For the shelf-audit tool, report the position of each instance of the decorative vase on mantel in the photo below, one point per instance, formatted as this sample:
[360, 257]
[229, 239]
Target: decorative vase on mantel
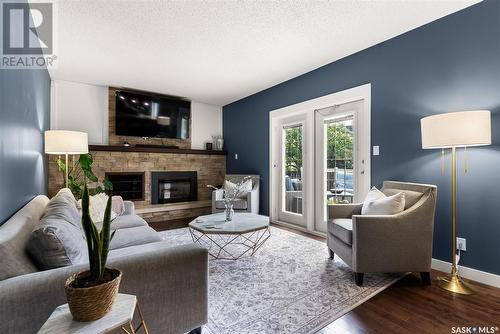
[229, 211]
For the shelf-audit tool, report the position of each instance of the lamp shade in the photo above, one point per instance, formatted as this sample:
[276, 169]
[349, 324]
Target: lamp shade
[456, 129]
[66, 142]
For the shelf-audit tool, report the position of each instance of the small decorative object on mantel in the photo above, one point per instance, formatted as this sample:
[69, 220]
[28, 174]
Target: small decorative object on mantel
[218, 143]
[208, 146]
[232, 191]
[91, 293]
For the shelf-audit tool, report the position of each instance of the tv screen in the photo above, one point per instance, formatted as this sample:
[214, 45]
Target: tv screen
[144, 115]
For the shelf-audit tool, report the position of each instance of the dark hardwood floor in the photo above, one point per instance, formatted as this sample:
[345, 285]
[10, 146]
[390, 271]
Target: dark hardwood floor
[409, 307]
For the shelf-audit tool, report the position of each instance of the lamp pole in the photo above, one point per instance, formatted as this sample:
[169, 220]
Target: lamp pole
[67, 170]
[453, 282]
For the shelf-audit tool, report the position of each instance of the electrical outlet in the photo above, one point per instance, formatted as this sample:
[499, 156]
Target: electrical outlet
[462, 244]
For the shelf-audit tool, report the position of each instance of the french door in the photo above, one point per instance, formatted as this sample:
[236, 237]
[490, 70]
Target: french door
[293, 193]
[319, 154]
[340, 168]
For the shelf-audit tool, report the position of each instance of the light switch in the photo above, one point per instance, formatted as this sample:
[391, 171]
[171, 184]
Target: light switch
[376, 150]
[236, 156]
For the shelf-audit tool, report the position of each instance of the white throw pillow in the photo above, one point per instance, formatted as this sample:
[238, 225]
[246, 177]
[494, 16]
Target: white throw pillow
[230, 188]
[377, 203]
[97, 206]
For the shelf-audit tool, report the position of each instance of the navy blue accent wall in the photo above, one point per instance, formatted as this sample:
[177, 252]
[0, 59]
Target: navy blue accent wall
[451, 64]
[24, 116]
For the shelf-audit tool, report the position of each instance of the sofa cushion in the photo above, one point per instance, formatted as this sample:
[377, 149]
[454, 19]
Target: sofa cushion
[14, 235]
[125, 221]
[342, 229]
[97, 207]
[118, 205]
[411, 197]
[58, 241]
[238, 204]
[63, 206]
[134, 236]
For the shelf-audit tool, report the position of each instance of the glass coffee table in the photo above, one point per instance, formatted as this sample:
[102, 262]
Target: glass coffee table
[244, 235]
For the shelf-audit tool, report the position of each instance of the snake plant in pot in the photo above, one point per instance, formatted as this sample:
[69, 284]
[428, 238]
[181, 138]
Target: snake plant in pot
[91, 293]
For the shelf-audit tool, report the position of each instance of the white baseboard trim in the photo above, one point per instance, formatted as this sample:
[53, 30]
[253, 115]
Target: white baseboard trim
[469, 273]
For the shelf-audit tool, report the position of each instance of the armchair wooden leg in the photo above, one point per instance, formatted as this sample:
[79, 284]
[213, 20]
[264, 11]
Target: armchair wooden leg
[332, 254]
[426, 278]
[358, 278]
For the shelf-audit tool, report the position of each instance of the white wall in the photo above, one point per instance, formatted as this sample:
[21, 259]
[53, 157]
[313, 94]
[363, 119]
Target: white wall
[80, 107]
[83, 107]
[206, 121]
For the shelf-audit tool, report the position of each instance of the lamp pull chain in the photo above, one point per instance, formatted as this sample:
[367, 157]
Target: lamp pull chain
[465, 160]
[442, 161]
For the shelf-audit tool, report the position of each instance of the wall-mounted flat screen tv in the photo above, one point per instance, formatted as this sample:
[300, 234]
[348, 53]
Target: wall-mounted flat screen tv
[147, 115]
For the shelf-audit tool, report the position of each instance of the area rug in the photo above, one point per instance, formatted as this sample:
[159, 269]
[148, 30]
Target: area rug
[288, 286]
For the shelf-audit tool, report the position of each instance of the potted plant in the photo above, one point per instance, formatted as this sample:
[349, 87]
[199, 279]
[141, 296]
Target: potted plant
[80, 172]
[91, 293]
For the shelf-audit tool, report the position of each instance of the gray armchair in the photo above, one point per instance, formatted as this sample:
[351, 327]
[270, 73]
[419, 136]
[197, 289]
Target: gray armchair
[248, 204]
[386, 243]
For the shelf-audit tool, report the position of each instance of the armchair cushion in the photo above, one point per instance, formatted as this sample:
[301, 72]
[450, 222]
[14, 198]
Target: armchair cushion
[231, 188]
[377, 203]
[411, 197]
[342, 229]
[238, 204]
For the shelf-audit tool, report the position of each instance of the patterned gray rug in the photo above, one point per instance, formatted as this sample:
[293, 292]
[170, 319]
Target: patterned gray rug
[288, 286]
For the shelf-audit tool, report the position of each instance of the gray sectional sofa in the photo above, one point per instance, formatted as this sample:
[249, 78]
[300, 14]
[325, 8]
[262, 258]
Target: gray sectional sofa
[171, 282]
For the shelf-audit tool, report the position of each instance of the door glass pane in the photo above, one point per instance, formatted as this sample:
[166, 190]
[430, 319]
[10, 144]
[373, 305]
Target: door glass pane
[292, 160]
[339, 160]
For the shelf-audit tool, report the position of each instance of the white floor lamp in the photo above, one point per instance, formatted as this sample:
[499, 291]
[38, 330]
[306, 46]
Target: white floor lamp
[66, 142]
[452, 130]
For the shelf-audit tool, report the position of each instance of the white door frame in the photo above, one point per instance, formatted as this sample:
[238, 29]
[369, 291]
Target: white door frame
[307, 121]
[361, 182]
[308, 108]
[295, 218]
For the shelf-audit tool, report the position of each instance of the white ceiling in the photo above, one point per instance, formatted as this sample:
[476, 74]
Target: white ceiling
[217, 52]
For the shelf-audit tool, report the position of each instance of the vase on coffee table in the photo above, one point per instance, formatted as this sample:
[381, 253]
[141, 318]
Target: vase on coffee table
[229, 211]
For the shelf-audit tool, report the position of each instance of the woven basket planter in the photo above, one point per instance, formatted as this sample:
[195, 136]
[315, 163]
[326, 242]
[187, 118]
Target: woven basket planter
[92, 303]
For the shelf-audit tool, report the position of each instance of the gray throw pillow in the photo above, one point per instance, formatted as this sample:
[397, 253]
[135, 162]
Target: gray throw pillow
[57, 243]
[58, 240]
[63, 206]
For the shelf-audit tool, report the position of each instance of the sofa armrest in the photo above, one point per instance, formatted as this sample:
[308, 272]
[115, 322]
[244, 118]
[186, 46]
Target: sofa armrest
[129, 208]
[344, 210]
[253, 201]
[390, 243]
[216, 196]
[171, 284]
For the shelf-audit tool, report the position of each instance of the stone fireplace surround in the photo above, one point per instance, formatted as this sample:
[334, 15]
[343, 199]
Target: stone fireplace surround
[210, 167]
